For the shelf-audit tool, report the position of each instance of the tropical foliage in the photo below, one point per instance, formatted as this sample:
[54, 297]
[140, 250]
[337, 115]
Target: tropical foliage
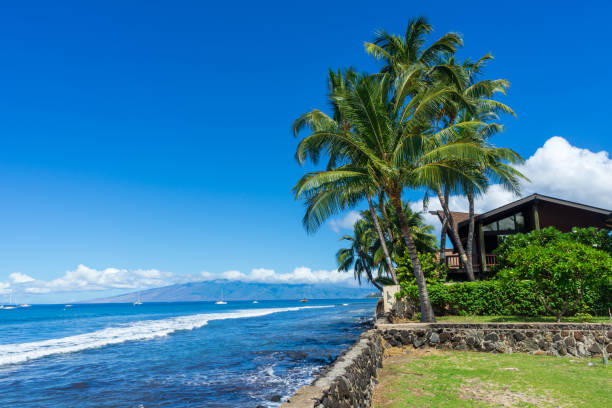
[564, 272]
[422, 123]
[365, 255]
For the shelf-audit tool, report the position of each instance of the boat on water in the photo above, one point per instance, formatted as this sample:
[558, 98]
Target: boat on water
[25, 305]
[138, 301]
[67, 305]
[303, 300]
[10, 304]
[221, 301]
[255, 301]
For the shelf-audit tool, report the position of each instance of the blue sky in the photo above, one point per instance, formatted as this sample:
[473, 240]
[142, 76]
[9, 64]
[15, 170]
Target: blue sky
[155, 136]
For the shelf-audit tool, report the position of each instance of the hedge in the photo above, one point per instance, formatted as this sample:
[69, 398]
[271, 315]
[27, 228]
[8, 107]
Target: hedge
[495, 297]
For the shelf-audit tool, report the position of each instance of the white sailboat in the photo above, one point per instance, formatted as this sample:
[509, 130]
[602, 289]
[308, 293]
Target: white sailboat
[221, 301]
[10, 303]
[138, 302]
[255, 301]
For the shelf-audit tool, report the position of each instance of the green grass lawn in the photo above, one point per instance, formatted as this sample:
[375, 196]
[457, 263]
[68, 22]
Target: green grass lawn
[433, 378]
[519, 319]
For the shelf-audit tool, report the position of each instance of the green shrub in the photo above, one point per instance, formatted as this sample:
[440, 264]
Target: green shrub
[497, 297]
[564, 272]
[598, 239]
[480, 298]
[432, 269]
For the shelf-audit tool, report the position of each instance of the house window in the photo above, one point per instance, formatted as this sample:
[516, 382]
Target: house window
[513, 223]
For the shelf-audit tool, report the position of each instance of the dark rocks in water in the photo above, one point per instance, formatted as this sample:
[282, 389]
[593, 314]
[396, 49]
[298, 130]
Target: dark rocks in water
[276, 398]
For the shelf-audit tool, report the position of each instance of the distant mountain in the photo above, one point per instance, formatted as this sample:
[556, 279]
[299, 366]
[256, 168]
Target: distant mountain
[236, 290]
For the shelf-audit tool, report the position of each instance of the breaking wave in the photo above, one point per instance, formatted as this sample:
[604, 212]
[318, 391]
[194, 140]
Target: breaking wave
[141, 330]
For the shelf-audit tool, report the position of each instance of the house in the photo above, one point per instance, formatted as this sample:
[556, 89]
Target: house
[527, 214]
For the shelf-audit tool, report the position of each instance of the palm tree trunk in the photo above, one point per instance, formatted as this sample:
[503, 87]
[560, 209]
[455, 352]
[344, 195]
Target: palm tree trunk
[371, 278]
[427, 314]
[383, 243]
[470, 242]
[386, 220]
[454, 232]
[444, 231]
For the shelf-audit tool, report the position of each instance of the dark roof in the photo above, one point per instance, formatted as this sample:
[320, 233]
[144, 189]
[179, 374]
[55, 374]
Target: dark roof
[458, 217]
[540, 197]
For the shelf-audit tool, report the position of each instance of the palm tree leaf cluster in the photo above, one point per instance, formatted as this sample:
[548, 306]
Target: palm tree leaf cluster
[423, 122]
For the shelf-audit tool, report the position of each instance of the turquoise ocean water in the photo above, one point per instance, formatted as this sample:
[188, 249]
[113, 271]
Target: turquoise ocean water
[172, 354]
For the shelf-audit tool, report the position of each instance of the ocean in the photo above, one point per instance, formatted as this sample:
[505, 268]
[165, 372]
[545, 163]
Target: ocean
[196, 354]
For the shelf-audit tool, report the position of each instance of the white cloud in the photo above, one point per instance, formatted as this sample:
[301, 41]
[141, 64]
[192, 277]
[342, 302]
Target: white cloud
[84, 278]
[18, 277]
[5, 288]
[345, 222]
[556, 169]
[298, 275]
[571, 173]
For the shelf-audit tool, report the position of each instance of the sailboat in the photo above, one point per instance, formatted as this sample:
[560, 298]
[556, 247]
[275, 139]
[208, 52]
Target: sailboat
[255, 301]
[10, 304]
[221, 301]
[138, 302]
[303, 300]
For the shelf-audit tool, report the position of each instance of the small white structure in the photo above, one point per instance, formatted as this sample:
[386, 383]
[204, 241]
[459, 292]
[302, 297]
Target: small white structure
[388, 294]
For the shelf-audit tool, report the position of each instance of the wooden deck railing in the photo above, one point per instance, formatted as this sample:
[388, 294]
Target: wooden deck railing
[454, 261]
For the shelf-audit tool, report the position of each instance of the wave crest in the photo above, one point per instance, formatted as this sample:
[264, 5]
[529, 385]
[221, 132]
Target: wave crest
[141, 330]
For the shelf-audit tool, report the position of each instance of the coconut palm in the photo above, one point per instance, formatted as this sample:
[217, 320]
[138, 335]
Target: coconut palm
[320, 206]
[359, 256]
[495, 164]
[389, 147]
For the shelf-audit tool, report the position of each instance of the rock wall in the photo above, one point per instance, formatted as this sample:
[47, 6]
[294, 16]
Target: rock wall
[556, 339]
[348, 382]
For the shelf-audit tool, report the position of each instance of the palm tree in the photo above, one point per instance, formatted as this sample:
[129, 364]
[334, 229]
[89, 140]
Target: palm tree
[360, 255]
[495, 163]
[388, 147]
[408, 53]
[328, 202]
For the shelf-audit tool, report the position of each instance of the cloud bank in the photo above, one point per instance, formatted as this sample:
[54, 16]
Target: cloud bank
[557, 169]
[86, 279]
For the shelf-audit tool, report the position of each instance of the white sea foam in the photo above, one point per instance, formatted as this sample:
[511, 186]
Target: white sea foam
[141, 330]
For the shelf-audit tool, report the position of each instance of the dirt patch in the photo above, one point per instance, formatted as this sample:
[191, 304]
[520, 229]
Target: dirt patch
[394, 355]
[493, 394]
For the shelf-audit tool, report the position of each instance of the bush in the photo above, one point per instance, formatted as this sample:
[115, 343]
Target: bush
[432, 269]
[497, 297]
[598, 239]
[564, 272]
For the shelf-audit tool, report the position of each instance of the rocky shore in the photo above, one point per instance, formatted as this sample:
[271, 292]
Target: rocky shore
[349, 381]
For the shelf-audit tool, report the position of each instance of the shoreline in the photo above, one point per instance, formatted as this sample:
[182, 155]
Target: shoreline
[349, 381]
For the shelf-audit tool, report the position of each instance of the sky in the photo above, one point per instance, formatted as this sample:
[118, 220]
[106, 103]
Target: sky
[148, 143]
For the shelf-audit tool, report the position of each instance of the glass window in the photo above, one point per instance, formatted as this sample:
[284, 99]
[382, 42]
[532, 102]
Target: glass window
[520, 222]
[507, 224]
[490, 227]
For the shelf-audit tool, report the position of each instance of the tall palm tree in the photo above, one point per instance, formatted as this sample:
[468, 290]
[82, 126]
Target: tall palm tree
[328, 202]
[495, 163]
[390, 147]
[409, 53]
[360, 254]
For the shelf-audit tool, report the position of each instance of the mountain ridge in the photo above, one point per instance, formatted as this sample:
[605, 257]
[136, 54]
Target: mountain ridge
[238, 290]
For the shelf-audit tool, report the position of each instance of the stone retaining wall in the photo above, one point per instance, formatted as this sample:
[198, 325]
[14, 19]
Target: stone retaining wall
[557, 339]
[348, 382]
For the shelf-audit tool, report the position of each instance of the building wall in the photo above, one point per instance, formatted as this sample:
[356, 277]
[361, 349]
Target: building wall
[565, 218]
